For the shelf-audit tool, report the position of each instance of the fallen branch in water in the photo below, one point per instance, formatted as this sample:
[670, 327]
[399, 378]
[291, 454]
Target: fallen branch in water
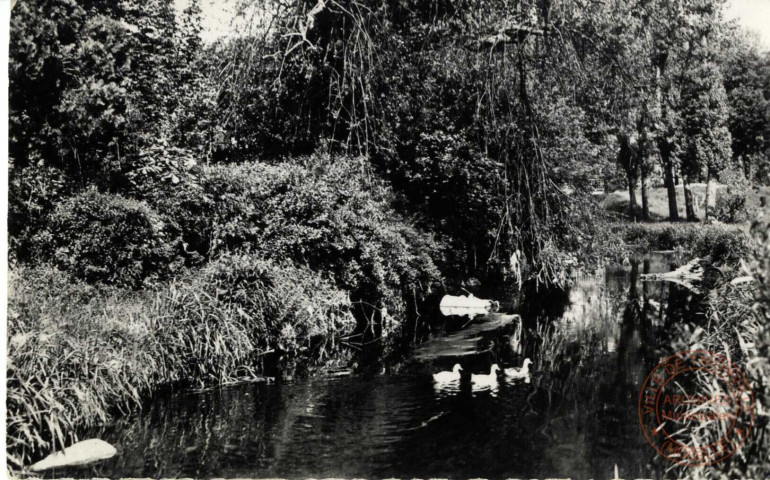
[694, 271]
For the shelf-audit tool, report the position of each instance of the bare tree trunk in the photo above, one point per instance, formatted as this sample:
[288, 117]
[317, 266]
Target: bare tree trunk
[707, 203]
[688, 199]
[668, 169]
[627, 159]
[663, 145]
[645, 202]
[632, 204]
[711, 195]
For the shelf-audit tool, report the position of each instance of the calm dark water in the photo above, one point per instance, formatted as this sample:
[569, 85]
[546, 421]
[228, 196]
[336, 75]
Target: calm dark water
[577, 416]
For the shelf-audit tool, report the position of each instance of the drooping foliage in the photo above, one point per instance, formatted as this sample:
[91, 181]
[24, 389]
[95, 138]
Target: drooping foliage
[206, 205]
[464, 107]
[491, 121]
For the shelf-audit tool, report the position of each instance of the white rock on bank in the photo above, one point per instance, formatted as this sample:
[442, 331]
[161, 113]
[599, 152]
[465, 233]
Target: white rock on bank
[81, 453]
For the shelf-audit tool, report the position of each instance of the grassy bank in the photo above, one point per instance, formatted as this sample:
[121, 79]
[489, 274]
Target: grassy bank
[201, 282]
[79, 353]
[657, 198]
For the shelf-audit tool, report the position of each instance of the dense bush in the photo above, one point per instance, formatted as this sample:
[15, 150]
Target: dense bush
[326, 213]
[106, 238]
[78, 353]
[730, 205]
[32, 194]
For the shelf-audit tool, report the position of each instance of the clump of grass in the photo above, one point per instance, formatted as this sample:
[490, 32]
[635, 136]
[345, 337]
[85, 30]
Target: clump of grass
[79, 353]
[69, 360]
[552, 343]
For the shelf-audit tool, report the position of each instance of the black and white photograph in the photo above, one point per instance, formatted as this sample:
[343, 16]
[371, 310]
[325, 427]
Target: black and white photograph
[386, 239]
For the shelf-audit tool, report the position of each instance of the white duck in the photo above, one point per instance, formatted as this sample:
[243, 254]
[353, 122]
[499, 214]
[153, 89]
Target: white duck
[485, 380]
[448, 377]
[515, 373]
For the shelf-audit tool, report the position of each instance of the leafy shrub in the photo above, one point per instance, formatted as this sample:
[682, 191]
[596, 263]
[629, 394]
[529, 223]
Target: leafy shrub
[158, 167]
[317, 211]
[33, 191]
[730, 205]
[77, 352]
[106, 238]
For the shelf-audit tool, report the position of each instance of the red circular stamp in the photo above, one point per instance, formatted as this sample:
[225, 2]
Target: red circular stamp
[696, 408]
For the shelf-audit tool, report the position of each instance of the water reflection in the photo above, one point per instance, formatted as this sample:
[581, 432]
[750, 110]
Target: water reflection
[576, 417]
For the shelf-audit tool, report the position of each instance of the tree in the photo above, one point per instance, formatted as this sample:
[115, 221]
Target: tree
[453, 102]
[705, 121]
[628, 158]
[746, 73]
[703, 102]
[93, 84]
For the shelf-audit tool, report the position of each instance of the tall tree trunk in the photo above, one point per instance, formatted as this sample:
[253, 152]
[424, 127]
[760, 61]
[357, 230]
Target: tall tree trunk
[664, 146]
[668, 170]
[711, 195]
[645, 202]
[708, 195]
[688, 199]
[627, 159]
[632, 204]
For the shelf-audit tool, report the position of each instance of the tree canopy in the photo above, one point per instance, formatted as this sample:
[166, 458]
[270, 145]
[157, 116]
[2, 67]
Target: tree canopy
[493, 121]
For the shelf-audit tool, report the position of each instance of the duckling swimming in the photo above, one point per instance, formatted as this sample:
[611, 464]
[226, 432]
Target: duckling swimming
[483, 381]
[516, 373]
[447, 377]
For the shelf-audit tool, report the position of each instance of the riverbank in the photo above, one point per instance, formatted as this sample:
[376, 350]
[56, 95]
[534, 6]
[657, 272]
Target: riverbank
[277, 264]
[385, 425]
[739, 328]
[721, 243]
[220, 277]
[737, 317]
[79, 354]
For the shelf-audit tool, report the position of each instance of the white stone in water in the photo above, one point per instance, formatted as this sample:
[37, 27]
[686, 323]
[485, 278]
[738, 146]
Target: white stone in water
[81, 453]
[469, 305]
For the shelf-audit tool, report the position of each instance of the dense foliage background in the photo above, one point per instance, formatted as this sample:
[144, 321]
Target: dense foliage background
[369, 151]
[491, 123]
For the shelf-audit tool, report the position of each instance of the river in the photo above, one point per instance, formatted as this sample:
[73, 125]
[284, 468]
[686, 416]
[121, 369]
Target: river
[576, 417]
